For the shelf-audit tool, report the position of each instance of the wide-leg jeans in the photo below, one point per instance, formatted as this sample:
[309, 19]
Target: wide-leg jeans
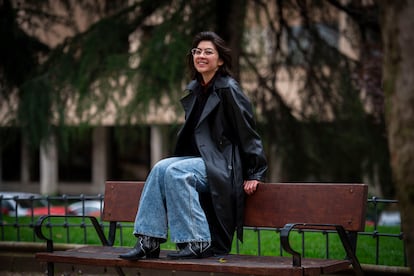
[170, 199]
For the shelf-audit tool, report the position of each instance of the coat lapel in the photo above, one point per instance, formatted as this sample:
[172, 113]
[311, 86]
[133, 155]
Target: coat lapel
[188, 103]
[212, 101]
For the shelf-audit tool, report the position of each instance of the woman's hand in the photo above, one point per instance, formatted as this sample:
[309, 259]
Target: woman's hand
[250, 186]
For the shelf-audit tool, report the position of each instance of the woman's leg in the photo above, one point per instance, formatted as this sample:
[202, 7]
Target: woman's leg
[170, 197]
[184, 179]
[151, 219]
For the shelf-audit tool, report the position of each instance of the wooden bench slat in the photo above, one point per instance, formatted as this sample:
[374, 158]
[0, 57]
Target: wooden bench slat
[274, 205]
[240, 264]
[121, 200]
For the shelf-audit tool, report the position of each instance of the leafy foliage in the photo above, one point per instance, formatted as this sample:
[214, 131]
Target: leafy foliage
[334, 131]
[130, 56]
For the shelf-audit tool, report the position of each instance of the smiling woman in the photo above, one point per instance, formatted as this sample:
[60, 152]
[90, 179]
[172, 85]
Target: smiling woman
[206, 60]
[198, 193]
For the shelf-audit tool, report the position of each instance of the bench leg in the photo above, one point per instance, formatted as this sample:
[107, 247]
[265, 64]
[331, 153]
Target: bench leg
[119, 271]
[349, 246]
[352, 237]
[50, 269]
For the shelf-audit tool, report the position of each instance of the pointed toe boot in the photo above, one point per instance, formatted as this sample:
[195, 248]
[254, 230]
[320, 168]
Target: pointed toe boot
[147, 247]
[193, 250]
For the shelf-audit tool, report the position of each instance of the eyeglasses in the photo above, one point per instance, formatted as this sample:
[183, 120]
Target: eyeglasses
[198, 51]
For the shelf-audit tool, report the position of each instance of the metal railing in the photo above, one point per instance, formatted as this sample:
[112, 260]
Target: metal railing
[377, 204]
[15, 226]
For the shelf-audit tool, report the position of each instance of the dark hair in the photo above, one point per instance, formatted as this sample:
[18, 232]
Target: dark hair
[223, 51]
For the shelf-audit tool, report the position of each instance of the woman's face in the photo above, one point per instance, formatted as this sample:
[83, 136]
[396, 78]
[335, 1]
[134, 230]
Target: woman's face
[206, 60]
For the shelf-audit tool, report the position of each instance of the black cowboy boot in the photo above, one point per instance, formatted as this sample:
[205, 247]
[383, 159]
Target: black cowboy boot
[145, 246]
[193, 250]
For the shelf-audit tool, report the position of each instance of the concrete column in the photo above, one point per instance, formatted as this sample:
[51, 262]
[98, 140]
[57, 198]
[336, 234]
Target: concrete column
[156, 143]
[99, 158]
[275, 165]
[49, 166]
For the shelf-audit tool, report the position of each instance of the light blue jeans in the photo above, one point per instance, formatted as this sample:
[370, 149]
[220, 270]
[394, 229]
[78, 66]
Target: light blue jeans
[170, 199]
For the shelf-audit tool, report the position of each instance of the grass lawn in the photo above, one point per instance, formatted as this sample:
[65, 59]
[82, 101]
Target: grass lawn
[316, 244]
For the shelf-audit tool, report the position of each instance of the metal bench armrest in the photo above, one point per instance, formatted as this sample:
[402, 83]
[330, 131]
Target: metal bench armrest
[296, 257]
[46, 218]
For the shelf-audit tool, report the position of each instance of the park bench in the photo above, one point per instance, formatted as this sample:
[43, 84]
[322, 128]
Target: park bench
[284, 206]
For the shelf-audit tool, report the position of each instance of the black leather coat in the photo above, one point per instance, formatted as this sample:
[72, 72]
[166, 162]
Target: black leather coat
[232, 151]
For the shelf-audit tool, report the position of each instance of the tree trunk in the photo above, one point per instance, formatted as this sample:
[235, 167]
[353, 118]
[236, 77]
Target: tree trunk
[230, 26]
[398, 40]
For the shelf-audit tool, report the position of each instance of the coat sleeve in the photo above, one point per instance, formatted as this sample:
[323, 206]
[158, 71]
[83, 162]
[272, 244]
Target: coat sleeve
[239, 113]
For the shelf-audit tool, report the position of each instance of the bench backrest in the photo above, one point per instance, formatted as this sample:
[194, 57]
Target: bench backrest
[273, 205]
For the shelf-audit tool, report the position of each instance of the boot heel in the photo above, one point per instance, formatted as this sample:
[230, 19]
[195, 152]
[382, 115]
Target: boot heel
[153, 254]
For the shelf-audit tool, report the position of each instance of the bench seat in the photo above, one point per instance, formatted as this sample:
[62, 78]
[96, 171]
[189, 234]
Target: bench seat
[232, 263]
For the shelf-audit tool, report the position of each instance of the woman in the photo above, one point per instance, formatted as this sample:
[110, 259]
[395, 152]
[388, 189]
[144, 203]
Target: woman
[199, 193]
